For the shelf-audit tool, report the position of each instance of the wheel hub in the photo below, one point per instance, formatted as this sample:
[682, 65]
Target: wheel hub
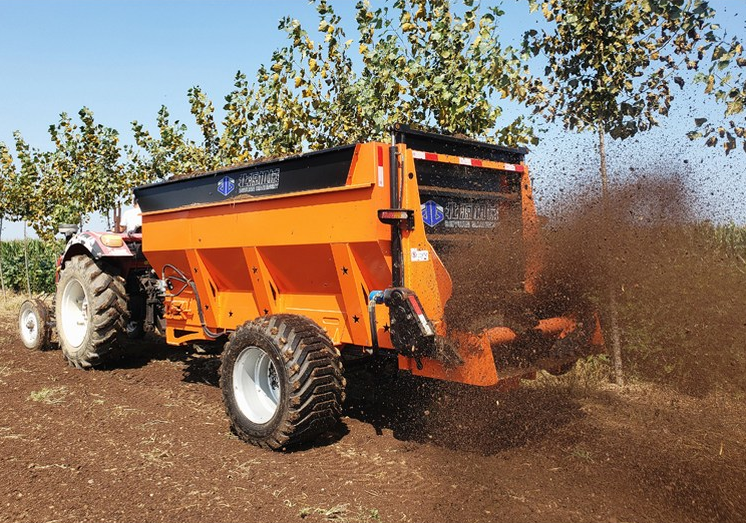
[74, 305]
[256, 385]
[29, 327]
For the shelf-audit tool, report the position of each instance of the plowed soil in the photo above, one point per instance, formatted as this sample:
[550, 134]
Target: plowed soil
[149, 441]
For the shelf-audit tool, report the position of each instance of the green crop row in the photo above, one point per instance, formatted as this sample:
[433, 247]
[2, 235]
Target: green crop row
[41, 265]
[730, 237]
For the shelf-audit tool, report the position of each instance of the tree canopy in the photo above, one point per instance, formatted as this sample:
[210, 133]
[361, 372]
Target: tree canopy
[437, 63]
[611, 65]
[727, 84]
[83, 173]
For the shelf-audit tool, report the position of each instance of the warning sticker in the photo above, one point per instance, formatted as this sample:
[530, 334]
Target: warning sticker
[419, 255]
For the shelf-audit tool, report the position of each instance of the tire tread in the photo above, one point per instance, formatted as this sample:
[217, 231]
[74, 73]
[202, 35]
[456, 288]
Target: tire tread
[314, 373]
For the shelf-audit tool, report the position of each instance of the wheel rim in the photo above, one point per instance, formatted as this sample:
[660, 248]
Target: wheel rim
[74, 313]
[29, 326]
[256, 385]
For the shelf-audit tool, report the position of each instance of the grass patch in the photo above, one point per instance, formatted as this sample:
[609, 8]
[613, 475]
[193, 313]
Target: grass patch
[50, 396]
[158, 457]
[10, 304]
[589, 373]
[583, 454]
[342, 513]
[4, 373]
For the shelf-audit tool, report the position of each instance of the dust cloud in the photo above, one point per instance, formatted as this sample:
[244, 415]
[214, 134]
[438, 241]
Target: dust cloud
[679, 280]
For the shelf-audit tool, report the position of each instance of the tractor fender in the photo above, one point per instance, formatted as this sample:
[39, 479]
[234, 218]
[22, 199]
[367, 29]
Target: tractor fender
[90, 243]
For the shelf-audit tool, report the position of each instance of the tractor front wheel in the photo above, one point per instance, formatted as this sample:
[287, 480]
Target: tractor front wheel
[91, 312]
[281, 379]
[33, 324]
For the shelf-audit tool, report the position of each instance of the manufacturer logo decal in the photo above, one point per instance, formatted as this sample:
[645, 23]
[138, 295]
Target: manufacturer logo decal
[471, 215]
[432, 213]
[259, 181]
[226, 186]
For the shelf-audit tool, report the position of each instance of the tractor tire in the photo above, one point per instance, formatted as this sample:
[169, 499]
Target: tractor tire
[91, 312]
[282, 382]
[33, 325]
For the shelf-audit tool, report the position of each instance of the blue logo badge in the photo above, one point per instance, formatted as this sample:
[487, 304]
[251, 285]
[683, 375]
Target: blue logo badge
[432, 213]
[226, 186]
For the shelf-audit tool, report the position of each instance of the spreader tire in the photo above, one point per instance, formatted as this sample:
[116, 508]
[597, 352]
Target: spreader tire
[282, 382]
[91, 312]
[33, 324]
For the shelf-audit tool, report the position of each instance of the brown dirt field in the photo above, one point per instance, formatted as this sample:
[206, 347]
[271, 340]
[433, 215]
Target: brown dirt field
[149, 441]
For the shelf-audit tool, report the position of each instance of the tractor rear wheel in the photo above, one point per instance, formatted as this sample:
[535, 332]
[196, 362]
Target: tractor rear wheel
[33, 324]
[282, 382]
[91, 312]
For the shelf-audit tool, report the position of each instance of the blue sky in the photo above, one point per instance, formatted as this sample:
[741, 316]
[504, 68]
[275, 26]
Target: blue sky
[124, 59]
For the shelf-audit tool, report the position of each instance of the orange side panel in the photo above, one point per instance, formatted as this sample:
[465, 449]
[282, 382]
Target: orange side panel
[281, 253]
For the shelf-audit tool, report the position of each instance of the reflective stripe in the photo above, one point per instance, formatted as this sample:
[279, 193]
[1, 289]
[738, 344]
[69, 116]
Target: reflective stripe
[461, 160]
[380, 173]
[420, 315]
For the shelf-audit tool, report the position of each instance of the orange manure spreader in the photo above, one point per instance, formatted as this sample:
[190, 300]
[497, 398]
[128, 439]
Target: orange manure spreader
[425, 250]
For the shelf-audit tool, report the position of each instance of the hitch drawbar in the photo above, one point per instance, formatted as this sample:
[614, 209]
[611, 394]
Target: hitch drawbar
[412, 333]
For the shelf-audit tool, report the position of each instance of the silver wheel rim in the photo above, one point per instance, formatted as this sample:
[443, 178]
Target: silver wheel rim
[256, 385]
[29, 326]
[74, 308]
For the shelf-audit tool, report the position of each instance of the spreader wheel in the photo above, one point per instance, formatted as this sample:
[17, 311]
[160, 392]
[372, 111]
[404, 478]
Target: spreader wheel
[282, 382]
[33, 324]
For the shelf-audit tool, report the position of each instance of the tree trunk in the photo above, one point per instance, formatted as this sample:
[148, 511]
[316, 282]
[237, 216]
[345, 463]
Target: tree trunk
[616, 344]
[25, 259]
[117, 211]
[2, 278]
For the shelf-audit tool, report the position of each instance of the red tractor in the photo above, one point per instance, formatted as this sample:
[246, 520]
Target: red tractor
[105, 291]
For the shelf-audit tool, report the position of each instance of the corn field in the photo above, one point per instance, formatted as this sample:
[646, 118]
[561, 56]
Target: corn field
[41, 259]
[730, 238]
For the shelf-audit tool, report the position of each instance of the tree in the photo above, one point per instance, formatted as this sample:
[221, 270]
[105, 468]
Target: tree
[6, 165]
[423, 61]
[83, 173]
[609, 69]
[22, 197]
[172, 153]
